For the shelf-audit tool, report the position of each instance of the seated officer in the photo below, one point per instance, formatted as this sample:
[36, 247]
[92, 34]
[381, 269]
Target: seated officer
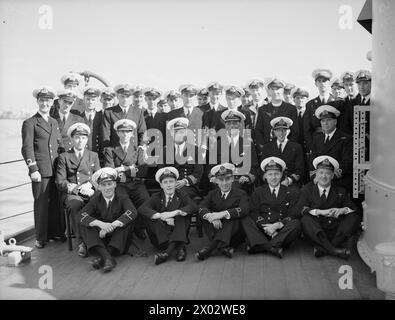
[167, 214]
[329, 218]
[288, 151]
[184, 156]
[220, 212]
[128, 160]
[335, 143]
[236, 148]
[73, 174]
[270, 226]
[106, 221]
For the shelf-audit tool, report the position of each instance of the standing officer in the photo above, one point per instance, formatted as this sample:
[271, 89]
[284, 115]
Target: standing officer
[246, 100]
[335, 143]
[163, 106]
[271, 225]
[183, 156]
[41, 140]
[363, 78]
[123, 110]
[288, 151]
[73, 174]
[94, 120]
[107, 98]
[288, 98]
[138, 97]
[238, 149]
[276, 108]
[312, 125]
[300, 97]
[70, 81]
[220, 212]
[107, 221]
[129, 161]
[156, 137]
[65, 116]
[167, 214]
[258, 94]
[173, 98]
[215, 91]
[337, 89]
[351, 89]
[233, 95]
[202, 97]
[189, 111]
[329, 217]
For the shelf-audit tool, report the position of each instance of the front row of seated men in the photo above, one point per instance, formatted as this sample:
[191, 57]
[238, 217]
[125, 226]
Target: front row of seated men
[269, 221]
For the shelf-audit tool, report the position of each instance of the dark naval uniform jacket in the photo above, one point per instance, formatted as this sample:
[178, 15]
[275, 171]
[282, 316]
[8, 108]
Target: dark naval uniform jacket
[95, 139]
[190, 168]
[157, 123]
[70, 169]
[292, 154]
[340, 148]
[115, 113]
[115, 157]
[41, 141]
[157, 203]
[311, 124]
[121, 209]
[245, 148]
[195, 121]
[267, 209]
[72, 118]
[236, 203]
[268, 112]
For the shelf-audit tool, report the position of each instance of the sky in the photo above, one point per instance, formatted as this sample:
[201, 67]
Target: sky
[168, 43]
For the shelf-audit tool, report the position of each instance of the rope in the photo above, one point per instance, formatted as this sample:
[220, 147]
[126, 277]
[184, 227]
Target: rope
[19, 185]
[15, 215]
[7, 162]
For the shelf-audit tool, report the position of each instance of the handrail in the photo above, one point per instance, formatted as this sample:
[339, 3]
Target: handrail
[12, 161]
[13, 187]
[15, 215]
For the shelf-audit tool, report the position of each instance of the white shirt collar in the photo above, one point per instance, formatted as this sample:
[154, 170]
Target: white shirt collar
[167, 196]
[283, 144]
[367, 98]
[180, 146]
[152, 112]
[45, 116]
[108, 200]
[91, 113]
[303, 109]
[214, 106]
[331, 134]
[277, 189]
[325, 97]
[234, 139]
[226, 193]
[189, 110]
[125, 109]
[321, 190]
[78, 152]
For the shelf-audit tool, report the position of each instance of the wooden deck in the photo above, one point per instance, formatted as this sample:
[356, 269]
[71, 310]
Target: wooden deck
[297, 276]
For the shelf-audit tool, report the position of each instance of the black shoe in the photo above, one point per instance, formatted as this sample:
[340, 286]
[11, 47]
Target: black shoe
[181, 254]
[227, 252]
[277, 252]
[97, 262]
[160, 258]
[39, 244]
[140, 233]
[203, 254]
[342, 253]
[59, 238]
[109, 264]
[319, 252]
[82, 250]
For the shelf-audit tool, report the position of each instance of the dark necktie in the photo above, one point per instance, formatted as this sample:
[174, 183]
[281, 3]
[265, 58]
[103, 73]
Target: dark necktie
[323, 196]
[64, 120]
[90, 120]
[274, 193]
[109, 206]
[168, 201]
[223, 197]
[326, 139]
[280, 148]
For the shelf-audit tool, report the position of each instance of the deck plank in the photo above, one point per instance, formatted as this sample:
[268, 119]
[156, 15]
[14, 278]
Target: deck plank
[297, 276]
